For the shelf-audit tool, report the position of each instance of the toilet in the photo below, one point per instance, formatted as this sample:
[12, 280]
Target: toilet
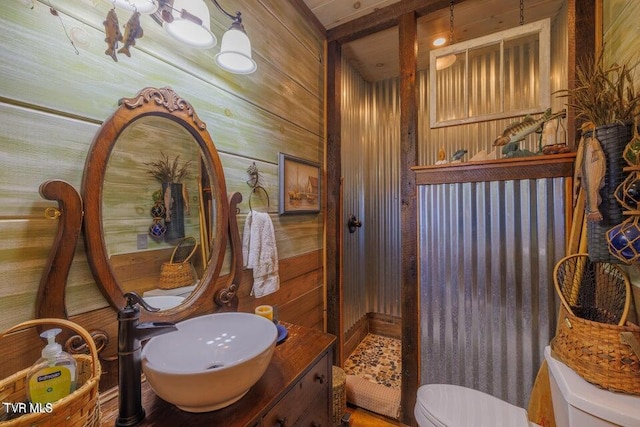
[576, 403]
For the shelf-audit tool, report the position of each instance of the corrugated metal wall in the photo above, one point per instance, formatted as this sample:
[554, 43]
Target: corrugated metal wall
[370, 161]
[487, 252]
[488, 305]
[371, 186]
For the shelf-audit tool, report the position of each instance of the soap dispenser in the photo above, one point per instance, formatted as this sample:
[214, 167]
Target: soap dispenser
[53, 376]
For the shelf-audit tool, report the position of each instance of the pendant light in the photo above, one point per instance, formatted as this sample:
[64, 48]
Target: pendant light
[235, 50]
[189, 24]
[447, 61]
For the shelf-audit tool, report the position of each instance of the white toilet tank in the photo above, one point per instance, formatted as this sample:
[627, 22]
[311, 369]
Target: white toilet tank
[577, 403]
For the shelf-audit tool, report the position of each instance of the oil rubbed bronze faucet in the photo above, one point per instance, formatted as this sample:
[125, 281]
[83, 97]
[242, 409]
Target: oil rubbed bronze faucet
[131, 334]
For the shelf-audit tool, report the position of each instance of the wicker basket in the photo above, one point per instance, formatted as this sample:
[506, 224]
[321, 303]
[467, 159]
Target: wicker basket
[598, 291]
[603, 354]
[175, 274]
[339, 395]
[80, 408]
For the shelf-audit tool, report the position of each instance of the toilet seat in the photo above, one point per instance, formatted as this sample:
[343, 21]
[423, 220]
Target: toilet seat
[445, 405]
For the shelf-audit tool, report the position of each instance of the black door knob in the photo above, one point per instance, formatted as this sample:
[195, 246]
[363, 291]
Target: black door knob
[353, 223]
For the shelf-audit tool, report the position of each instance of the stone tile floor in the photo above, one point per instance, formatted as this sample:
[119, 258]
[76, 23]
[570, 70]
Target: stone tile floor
[376, 359]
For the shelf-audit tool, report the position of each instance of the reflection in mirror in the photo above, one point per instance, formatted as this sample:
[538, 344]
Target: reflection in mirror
[123, 201]
[151, 202]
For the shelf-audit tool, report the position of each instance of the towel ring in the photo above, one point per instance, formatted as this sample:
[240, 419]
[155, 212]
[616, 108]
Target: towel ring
[253, 190]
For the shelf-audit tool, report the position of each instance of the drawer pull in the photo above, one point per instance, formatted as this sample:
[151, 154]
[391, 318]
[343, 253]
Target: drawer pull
[282, 422]
[319, 378]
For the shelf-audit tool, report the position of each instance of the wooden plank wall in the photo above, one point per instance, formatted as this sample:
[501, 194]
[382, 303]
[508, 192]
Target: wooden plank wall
[53, 100]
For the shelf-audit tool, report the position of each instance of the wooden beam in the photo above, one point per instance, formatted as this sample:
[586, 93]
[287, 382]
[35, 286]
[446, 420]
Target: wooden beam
[384, 18]
[410, 289]
[333, 219]
[581, 36]
[308, 14]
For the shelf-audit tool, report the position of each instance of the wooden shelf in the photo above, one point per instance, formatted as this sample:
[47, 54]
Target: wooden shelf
[534, 167]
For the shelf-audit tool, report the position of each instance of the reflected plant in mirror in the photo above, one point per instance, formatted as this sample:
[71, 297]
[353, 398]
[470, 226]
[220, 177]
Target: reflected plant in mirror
[172, 202]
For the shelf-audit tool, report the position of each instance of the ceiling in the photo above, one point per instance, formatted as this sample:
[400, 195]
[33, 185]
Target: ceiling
[376, 56]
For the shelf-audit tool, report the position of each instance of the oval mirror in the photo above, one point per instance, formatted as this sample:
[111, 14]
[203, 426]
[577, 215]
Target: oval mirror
[154, 192]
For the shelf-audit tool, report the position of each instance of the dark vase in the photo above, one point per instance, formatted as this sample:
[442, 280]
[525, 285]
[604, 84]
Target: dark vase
[174, 222]
[613, 139]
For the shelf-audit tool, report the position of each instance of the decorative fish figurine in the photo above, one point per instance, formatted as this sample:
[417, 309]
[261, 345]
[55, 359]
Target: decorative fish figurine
[591, 166]
[113, 34]
[519, 130]
[458, 155]
[513, 149]
[132, 31]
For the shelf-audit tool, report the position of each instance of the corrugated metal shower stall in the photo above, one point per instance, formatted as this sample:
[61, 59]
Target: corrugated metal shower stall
[486, 249]
[371, 186]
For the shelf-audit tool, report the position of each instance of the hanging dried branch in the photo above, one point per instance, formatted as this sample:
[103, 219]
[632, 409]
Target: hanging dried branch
[166, 171]
[604, 95]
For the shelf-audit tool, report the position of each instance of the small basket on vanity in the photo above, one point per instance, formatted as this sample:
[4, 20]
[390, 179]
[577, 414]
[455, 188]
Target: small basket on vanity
[80, 408]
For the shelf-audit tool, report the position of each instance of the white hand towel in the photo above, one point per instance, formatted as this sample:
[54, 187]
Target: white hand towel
[260, 253]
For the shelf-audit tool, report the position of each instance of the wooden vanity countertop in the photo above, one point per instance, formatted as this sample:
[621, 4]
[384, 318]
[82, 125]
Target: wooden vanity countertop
[302, 348]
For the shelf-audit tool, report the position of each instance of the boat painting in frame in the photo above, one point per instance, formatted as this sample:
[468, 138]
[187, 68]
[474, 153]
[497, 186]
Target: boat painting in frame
[299, 185]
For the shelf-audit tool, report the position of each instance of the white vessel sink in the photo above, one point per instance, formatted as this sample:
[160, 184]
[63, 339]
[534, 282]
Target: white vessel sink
[211, 361]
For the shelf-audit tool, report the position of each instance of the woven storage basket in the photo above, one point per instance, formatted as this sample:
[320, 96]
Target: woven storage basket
[597, 291]
[80, 408]
[175, 274]
[339, 395]
[601, 353]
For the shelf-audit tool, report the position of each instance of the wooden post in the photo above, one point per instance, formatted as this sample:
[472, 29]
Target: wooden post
[333, 221]
[410, 289]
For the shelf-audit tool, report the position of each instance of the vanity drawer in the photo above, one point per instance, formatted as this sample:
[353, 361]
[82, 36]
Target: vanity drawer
[317, 415]
[302, 399]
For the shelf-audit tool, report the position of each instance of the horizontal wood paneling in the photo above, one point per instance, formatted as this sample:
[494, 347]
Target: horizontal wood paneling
[52, 102]
[300, 301]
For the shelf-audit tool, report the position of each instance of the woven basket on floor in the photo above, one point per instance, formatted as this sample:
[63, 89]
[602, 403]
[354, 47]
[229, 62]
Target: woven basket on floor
[80, 408]
[339, 395]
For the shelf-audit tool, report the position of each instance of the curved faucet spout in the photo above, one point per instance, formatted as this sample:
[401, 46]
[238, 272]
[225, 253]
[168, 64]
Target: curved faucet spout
[131, 334]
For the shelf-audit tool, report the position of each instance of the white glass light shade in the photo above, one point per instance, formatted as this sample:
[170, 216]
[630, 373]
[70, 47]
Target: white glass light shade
[186, 30]
[141, 6]
[235, 53]
[443, 62]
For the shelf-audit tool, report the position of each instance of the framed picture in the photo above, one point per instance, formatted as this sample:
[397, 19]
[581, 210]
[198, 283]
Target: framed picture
[299, 185]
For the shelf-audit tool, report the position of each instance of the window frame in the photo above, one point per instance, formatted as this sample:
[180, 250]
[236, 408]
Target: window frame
[542, 28]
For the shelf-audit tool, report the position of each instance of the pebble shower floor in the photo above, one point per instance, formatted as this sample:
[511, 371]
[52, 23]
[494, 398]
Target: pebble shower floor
[376, 359]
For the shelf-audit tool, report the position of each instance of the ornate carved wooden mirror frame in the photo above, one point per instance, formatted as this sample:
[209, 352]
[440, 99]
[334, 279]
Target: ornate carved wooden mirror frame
[167, 104]
[163, 103]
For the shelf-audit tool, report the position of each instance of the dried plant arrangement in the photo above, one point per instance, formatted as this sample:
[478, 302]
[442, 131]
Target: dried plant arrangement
[604, 94]
[167, 171]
